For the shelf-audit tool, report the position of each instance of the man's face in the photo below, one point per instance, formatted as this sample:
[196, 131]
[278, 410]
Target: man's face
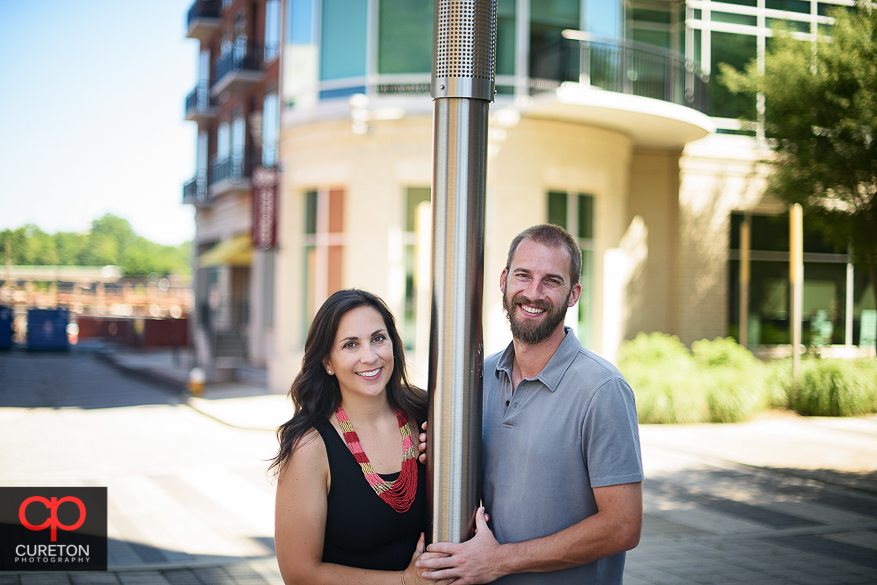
[537, 291]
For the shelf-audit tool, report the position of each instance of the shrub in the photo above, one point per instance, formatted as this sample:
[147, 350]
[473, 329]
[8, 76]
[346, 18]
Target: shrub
[835, 388]
[719, 382]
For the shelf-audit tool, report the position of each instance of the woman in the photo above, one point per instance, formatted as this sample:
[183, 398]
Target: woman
[351, 494]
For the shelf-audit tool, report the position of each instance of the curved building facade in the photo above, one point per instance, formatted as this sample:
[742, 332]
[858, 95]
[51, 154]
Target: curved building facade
[605, 121]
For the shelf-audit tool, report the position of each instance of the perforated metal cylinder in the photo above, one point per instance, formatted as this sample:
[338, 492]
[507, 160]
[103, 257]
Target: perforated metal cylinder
[464, 49]
[463, 81]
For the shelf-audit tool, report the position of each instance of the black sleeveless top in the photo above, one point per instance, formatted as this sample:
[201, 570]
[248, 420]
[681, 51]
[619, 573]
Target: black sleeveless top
[361, 529]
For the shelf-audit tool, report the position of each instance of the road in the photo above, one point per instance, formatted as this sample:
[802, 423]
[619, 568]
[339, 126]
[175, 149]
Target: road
[182, 488]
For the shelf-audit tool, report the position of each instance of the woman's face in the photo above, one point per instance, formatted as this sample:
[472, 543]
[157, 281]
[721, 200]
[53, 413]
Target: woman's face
[362, 354]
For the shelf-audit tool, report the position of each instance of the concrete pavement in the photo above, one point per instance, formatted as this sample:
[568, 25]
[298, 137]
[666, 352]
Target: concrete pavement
[781, 499]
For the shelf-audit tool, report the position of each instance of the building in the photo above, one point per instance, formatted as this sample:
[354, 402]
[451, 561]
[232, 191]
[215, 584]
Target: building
[608, 119]
[235, 102]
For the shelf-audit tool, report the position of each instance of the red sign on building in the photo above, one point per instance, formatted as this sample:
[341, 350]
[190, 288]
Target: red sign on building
[264, 208]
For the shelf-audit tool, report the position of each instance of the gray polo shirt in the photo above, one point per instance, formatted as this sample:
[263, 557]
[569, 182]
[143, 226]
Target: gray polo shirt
[561, 433]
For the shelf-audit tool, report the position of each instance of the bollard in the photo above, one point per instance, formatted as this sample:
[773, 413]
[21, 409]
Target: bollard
[196, 381]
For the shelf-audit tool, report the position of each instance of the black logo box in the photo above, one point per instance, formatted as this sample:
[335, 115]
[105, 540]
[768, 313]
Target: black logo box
[67, 552]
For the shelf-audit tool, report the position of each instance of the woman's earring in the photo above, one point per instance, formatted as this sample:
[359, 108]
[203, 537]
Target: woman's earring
[329, 372]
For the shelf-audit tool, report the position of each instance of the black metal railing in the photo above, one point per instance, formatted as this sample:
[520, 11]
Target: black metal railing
[203, 9]
[195, 190]
[241, 57]
[199, 100]
[621, 66]
[234, 168]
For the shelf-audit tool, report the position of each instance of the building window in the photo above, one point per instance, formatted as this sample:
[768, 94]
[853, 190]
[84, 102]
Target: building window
[270, 128]
[405, 36]
[323, 250]
[547, 21]
[343, 42]
[272, 29]
[736, 50]
[831, 286]
[416, 273]
[301, 15]
[575, 213]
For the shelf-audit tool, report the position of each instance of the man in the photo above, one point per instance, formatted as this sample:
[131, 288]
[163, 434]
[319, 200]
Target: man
[561, 455]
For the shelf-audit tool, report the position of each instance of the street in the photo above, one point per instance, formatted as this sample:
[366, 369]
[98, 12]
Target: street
[182, 488]
[778, 500]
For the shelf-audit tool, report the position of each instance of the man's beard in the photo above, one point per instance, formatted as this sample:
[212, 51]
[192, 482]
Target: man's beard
[533, 333]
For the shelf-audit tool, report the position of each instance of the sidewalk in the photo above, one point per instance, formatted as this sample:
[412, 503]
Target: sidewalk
[778, 500]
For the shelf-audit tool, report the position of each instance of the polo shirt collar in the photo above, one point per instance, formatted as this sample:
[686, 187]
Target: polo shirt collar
[553, 371]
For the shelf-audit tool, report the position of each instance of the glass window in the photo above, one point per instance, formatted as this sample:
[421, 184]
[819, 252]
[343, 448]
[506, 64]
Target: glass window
[270, 128]
[301, 14]
[788, 5]
[792, 25]
[272, 29]
[343, 39]
[405, 36]
[575, 213]
[414, 274]
[735, 50]
[603, 17]
[825, 285]
[548, 19]
[323, 249]
[505, 37]
[732, 18]
[223, 142]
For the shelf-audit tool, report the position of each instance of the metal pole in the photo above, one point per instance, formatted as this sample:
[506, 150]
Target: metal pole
[796, 281]
[462, 84]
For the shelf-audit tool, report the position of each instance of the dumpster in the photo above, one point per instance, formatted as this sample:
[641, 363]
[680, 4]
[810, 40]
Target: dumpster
[47, 330]
[6, 319]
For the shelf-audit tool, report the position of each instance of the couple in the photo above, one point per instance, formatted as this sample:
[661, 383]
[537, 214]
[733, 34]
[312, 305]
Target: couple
[562, 473]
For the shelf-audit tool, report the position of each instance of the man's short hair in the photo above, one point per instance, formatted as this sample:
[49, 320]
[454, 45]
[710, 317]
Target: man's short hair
[555, 236]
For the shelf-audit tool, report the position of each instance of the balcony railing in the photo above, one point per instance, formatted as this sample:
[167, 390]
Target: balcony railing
[200, 105]
[202, 9]
[195, 192]
[203, 20]
[621, 66]
[233, 169]
[242, 58]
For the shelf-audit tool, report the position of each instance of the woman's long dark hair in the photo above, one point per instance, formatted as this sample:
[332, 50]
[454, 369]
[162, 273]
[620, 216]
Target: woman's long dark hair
[315, 394]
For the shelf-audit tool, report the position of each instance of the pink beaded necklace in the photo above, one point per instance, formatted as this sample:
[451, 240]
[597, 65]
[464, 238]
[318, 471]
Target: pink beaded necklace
[399, 493]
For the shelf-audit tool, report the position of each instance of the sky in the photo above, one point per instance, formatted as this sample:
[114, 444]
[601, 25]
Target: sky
[92, 96]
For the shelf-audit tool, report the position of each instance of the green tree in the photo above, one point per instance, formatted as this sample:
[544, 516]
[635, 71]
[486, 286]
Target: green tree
[820, 119]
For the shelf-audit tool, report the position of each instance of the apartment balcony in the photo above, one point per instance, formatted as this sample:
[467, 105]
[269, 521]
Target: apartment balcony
[651, 94]
[203, 20]
[238, 70]
[195, 192]
[200, 105]
[232, 175]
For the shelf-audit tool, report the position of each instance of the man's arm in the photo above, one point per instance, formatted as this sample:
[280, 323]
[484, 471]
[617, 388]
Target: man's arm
[613, 529]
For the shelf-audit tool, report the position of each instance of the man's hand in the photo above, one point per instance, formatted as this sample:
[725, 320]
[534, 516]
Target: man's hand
[475, 561]
[422, 456]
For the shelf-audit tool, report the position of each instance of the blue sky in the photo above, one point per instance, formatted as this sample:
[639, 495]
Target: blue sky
[91, 115]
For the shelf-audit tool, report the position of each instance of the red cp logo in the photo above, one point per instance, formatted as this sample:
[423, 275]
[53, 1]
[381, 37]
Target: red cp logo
[53, 522]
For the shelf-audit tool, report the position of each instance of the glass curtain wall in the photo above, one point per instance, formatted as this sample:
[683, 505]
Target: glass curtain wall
[826, 291]
[735, 32]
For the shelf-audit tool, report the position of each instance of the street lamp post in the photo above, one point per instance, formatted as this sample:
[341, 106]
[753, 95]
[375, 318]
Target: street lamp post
[463, 82]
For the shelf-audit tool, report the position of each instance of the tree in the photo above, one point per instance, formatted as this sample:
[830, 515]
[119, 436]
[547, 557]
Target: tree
[820, 120]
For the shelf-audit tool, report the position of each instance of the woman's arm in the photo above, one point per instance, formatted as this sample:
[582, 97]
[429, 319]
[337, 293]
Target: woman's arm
[300, 525]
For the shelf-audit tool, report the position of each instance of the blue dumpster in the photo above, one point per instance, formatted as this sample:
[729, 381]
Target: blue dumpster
[6, 320]
[47, 330]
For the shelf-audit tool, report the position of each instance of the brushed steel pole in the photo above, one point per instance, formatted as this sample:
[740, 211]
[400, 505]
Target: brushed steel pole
[462, 88]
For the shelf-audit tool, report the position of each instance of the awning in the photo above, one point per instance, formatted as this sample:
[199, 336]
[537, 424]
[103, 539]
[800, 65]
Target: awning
[237, 251]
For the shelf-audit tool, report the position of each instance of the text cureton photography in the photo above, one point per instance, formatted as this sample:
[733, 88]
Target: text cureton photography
[53, 529]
